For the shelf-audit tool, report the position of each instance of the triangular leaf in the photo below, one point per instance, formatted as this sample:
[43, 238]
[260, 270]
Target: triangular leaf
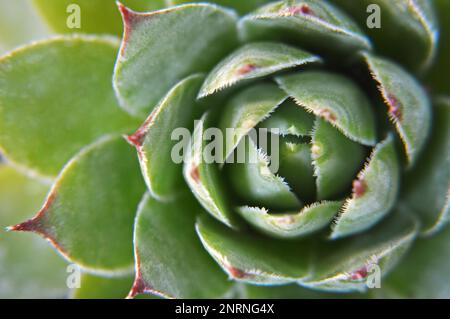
[407, 102]
[336, 99]
[152, 60]
[374, 192]
[154, 141]
[253, 61]
[251, 258]
[291, 225]
[314, 25]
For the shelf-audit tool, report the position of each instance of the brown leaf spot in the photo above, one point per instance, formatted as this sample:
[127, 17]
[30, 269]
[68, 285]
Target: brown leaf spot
[327, 115]
[195, 174]
[359, 188]
[303, 9]
[394, 107]
[359, 274]
[247, 68]
[236, 273]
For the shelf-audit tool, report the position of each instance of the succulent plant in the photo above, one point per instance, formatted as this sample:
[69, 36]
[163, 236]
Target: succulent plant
[360, 117]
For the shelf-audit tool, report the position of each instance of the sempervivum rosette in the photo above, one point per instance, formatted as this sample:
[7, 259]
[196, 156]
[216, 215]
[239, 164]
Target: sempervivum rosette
[290, 146]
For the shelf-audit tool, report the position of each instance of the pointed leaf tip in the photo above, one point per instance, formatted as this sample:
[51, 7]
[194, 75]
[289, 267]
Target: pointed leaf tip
[148, 64]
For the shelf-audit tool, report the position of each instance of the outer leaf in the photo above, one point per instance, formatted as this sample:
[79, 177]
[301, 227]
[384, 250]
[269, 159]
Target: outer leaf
[424, 271]
[52, 103]
[427, 186]
[255, 184]
[251, 258]
[314, 25]
[240, 6]
[19, 24]
[203, 177]
[245, 110]
[374, 192]
[291, 225]
[289, 119]
[408, 103]
[344, 266]
[336, 160]
[152, 60]
[96, 16]
[29, 268]
[406, 26]
[253, 61]
[88, 215]
[154, 141]
[170, 260]
[336, 99]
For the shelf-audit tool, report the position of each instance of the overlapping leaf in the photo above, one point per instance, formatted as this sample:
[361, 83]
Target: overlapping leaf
[152, 60]
[154, 140]
[170, 260]
[88, 215]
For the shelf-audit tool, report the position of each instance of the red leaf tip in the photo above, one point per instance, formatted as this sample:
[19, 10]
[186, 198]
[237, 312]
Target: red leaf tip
[31, 225]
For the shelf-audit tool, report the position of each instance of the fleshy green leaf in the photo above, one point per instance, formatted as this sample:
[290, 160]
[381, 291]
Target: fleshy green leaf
[55, 98]
[289, 119]
[336, 99]
[19, 24]
[256, 184]
[170, 261]
[251, 258]
[408, 29]
[253, 61]
[297, 169]
[374, 192]
[408, 104]
[202, 176]
[336, 160]
[427, 186]
[29, 268]
[88, 215]
[95, 16]
[347, 265]
[290, 225]
[314, 25]
[245, 110]
[423, 273]
[95, 287]
[154, 141]
[152, 60]
[240, 6]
